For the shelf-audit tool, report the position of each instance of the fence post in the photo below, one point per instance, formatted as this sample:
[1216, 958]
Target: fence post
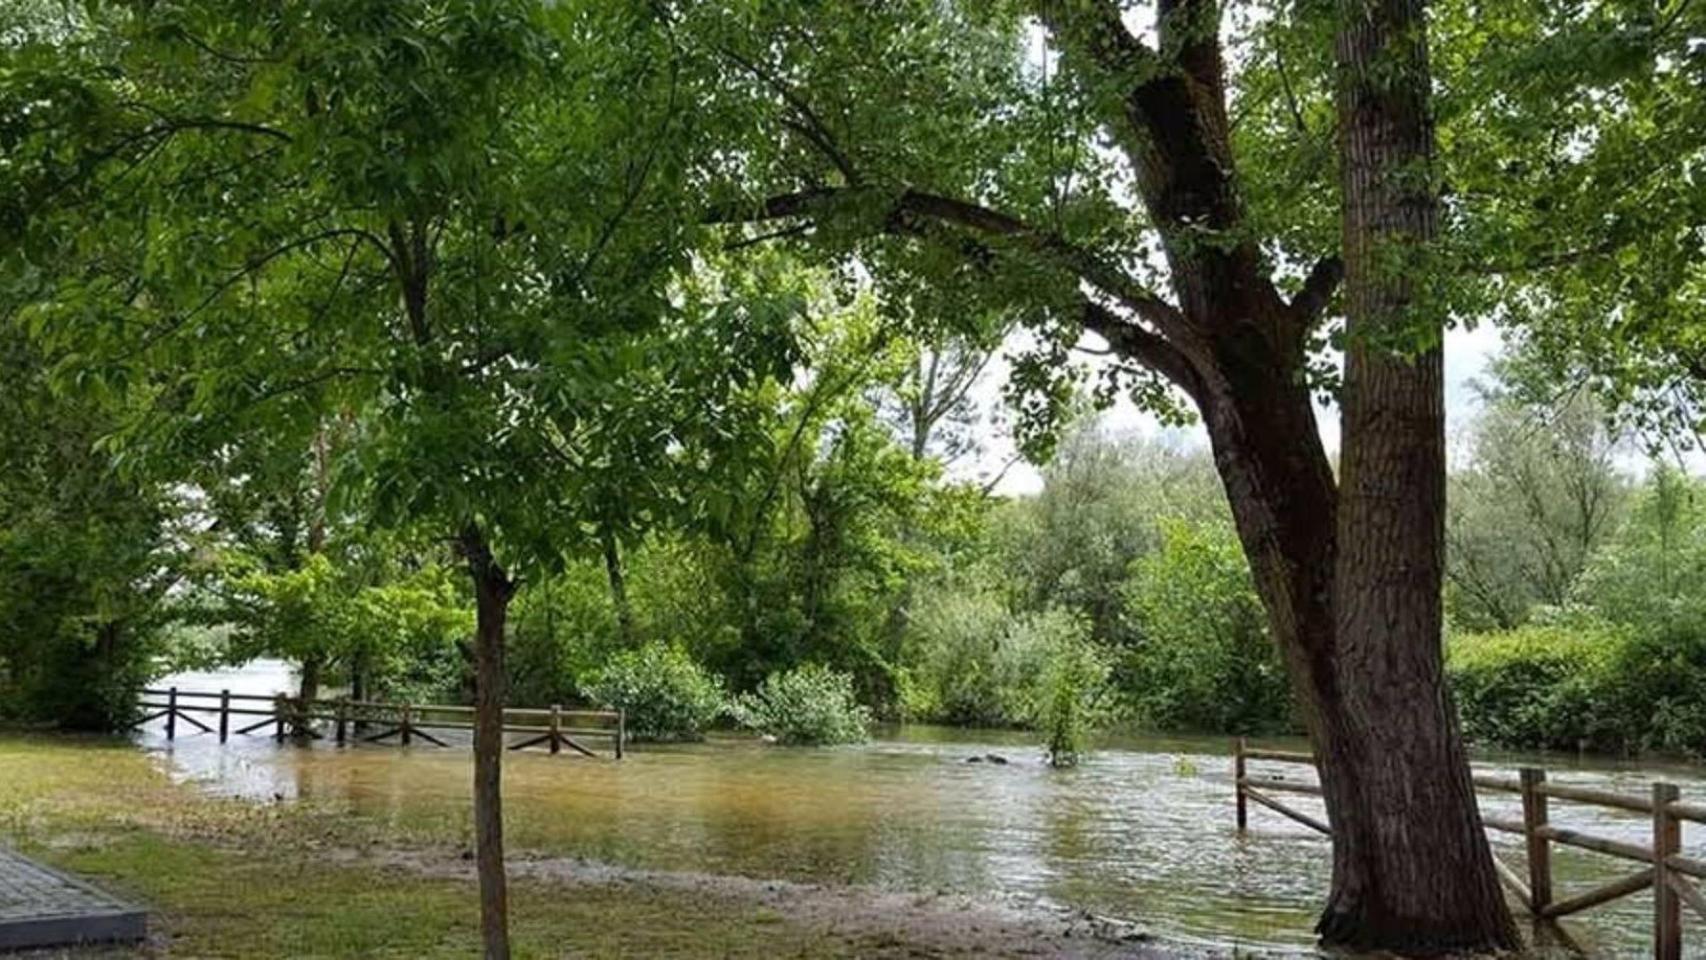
[556, 727]
[171, 713]
[343, 717]
[1238, 782]
[224, 715]
[621, 730]
[406, 727]
[278, 717]
[1535, 816]
[1667, 906]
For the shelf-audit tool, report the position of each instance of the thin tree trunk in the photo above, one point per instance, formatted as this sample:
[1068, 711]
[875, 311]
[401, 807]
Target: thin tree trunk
[1412, 871]
[308, 690]
[618, 586]
[492, 592]
[358, 677]
[358, 684]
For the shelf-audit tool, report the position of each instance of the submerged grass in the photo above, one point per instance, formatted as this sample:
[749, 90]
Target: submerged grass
[232, 878]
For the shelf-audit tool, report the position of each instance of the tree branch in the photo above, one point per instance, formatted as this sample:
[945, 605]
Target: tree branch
[809, 125]
[911, 206]
[1318, 289]
[1096, 28]
[1146, 347]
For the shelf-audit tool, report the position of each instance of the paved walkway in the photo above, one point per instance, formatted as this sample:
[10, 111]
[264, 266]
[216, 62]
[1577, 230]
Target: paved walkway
[41, 907]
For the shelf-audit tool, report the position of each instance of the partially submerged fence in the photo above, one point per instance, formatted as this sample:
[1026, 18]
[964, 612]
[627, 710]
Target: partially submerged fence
[553, 729]
[1666, 870]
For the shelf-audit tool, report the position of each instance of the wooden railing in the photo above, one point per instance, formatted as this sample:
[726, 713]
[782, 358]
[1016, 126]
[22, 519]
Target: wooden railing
[553, 728]
[1666, 870]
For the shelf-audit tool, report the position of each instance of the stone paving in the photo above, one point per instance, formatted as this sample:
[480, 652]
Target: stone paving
[42, 907]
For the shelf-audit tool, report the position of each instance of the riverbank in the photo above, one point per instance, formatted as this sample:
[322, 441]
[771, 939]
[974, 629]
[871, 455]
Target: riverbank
[238, 877]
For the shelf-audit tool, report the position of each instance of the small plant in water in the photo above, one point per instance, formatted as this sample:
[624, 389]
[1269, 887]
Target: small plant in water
[1072, 684]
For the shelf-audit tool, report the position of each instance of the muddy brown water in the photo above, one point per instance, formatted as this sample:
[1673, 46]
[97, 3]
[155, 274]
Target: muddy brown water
[1143, 831]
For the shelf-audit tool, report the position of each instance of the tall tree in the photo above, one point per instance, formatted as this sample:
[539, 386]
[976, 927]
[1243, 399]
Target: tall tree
[458, 221]
[1539, 491]
[885, 147]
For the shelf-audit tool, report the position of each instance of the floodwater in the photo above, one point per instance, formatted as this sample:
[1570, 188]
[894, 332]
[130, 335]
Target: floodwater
[1143, 831]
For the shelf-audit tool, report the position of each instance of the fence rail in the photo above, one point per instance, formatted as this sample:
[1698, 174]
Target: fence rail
[553, 728]
[1665, 870]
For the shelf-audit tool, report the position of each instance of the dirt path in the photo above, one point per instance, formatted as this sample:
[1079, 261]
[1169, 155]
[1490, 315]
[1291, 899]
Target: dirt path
[875, 922]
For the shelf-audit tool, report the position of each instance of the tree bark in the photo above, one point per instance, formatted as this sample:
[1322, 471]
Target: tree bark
[492, 592]
[1412, 871]
[308, 690]
[618, 586]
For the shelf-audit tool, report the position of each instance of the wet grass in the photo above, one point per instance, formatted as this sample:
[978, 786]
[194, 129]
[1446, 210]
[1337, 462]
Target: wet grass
[233, 878]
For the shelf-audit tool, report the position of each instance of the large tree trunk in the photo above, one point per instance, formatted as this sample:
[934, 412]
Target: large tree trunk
[492, 592]
[1412, 870]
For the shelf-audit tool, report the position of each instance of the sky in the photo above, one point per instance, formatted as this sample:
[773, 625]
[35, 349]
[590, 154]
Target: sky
[1467, 354]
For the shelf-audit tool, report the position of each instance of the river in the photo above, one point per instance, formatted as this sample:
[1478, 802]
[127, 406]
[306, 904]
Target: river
[1142, 831]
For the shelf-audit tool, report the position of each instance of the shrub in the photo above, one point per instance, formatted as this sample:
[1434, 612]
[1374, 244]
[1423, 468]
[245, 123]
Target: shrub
[667, 696]
[1655, 691]
[976, 663]
[807, 705]
[1536, 686]
[1073, 679]
[562, 632]
[1583, 683]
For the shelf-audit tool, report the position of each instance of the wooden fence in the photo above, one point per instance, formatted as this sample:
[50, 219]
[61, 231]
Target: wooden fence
[352, 720]
[1665, 870]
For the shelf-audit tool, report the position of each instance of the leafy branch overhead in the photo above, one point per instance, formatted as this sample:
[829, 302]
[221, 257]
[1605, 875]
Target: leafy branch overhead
[1034, 229]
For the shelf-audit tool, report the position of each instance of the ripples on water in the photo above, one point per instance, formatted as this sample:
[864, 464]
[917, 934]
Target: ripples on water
[1142, 831]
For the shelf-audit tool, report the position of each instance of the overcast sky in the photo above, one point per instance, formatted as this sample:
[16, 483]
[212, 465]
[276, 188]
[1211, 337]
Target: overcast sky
[1466, 356]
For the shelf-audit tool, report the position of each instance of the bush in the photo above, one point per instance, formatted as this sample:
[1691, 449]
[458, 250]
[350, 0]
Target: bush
[562, 632]
[807, 705]
[977, 664]
[667, 696]
[1656, 691]
[1072, 682]
[1583, 684]
[1536, 686]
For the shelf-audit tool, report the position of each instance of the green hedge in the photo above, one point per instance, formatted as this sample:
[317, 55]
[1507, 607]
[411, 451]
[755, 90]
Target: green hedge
[1582, 684]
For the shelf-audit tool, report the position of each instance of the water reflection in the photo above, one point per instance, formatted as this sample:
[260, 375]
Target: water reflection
[1143, 831]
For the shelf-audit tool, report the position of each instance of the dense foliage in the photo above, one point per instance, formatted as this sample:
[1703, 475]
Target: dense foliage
[808, 705]
[1599, 588]
[268, 353]
[86, 558]
[665, 695]
[1584, 686]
